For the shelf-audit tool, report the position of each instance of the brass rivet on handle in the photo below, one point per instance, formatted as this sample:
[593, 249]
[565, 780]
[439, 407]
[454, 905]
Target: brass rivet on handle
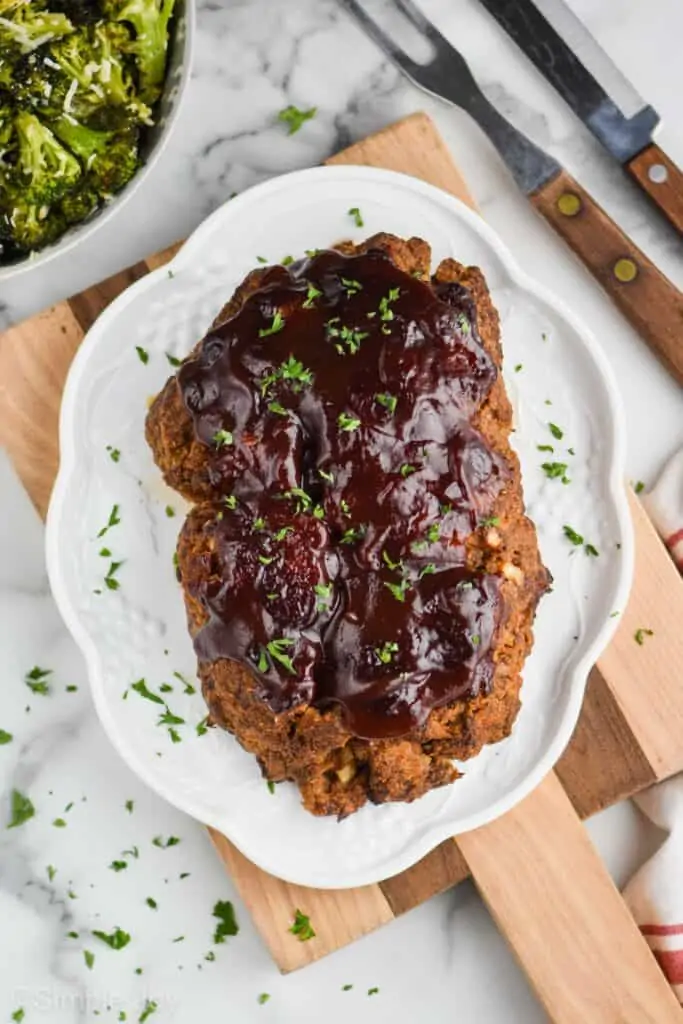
[625, 270]
[569, 204]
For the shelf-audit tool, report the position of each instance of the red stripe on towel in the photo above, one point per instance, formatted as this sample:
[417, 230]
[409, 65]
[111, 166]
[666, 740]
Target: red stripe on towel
[671, 962]
[661, 929]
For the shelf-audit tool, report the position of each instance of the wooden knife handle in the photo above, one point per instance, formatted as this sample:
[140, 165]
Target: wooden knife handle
[643, 294]
[658, 175]
[552, 898]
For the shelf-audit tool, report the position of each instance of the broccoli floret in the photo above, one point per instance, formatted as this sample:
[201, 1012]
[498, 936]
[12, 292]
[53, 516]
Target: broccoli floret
[93, 75]
[44, 170]
[150, 20]
[30, 226]
[26, 25]
[109, 158]
[78, 205]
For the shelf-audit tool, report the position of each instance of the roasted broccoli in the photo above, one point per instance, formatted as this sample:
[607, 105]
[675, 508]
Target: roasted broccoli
[149, 19]
[26, 24]
[78, 79]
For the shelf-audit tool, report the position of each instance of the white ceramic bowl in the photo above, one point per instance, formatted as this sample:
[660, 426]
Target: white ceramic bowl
[153, 144]
[140, 631]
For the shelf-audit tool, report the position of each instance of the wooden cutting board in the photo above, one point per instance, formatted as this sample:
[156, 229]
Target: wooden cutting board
[546, 887]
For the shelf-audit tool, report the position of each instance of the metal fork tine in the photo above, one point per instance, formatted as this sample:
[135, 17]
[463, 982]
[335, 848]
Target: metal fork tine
[383, 40]
[418, 20]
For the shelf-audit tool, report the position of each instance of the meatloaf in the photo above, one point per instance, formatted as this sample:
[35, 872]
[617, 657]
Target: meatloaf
[359, 575]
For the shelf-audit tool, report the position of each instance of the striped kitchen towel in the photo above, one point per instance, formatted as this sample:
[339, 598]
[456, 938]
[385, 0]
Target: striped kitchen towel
[655, 893]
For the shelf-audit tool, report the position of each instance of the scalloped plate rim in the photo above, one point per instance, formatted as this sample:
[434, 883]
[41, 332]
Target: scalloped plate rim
[426, 838]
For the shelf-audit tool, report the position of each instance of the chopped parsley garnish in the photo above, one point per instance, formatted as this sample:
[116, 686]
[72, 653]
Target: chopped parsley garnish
[433, 533]
[398, 589]
[117, 939]
[51, 872]
[118, 865]
[353, 534]
[110, 579]
[286, 261]
[346, 988]
[173, 360]
[555, 470]
[547, 402]
[281, 534]
[201, 727]
[388, 401]
[143, 355]
[168, 718]
[406, 469]
[475, 640]
[189, 688]
[326, 476]
[324, 593]
[640, 634]
[114, 453]
[311, 295]
[141, 687]
[113, 520]
[166, 688]
[21, 809]
[571, 451]
[230, 500]
[170, 511]
[347, 422]
[266, 559]
[373, 991]
[71, 688]
[5, 737]
[164, 844]
[89, 959]
[277, 324]
[271, 786]
[179, 938]
[263, 998]
[291, 370]
[490, 521]
[129, 806]
[557, 433]
[261, 259]
[545, 448]
[464, 324]
[386, 652]
[427, 570]
[134, 852]
[150, 1007]
[351, 287]
[276, 649]
[590, 549]
[640, 486]
[388, 561]
[222, 438]
[301, 927]
[294, 118]
[227, 922]
[35, 680]
[345, 507]
[518, 367]
[572, 536]
[357, 216]
[18, 1015]
[59, 823]
[385, 311]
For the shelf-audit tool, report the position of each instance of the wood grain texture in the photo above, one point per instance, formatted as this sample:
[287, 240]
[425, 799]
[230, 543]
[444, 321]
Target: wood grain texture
[338, 916]
[646, 679]
[604, 761]
[553, 900]
[652, 304]
[649, 168]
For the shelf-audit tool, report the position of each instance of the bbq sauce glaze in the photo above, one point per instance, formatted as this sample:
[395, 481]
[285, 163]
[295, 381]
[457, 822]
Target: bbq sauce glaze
[335, 409]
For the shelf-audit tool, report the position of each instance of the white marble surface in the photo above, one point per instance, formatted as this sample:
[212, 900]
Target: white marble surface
[445, 959]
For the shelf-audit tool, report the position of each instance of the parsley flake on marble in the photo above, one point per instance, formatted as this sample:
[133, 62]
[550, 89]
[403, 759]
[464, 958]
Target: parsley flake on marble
[227, 922]
[295, 118]
[114, 520]
[150, 1007]
[141, 687]
[143, 354]
[116, 939]
[21, 809]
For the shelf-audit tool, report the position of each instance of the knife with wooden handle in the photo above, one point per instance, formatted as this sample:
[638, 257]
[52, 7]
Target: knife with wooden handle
[643, 294]
[563, 50]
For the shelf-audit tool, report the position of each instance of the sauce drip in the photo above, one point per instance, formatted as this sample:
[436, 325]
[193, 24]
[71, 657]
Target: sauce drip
[335, 406]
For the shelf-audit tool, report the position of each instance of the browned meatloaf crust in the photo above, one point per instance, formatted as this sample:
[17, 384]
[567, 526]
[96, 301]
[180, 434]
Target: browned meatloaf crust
[338, 751]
